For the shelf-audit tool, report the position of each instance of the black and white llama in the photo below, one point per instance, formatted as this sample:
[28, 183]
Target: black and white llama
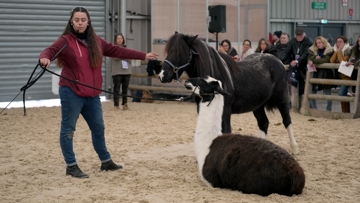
[239, 162]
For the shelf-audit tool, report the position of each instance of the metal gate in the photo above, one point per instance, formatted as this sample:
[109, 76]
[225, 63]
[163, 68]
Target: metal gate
[26, 29]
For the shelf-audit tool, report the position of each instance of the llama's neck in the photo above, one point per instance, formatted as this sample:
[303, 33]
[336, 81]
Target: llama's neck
[208, 125]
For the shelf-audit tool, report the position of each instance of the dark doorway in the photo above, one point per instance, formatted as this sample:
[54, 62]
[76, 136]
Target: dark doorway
[329, 31]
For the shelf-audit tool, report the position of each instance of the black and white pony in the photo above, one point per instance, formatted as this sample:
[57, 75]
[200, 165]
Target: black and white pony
[253, 84]
[249, 164]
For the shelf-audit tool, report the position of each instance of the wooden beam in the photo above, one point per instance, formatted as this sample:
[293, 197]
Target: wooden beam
[332, 82]
[330, 66]
[326, 114]
[143, 75]
[331, 97]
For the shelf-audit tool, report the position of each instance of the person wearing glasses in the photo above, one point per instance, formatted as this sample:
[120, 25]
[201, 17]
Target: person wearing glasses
[226, 48]
[247, 50]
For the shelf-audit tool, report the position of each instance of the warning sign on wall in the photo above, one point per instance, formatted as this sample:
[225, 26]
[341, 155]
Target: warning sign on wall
[345, 2]
[351, 11]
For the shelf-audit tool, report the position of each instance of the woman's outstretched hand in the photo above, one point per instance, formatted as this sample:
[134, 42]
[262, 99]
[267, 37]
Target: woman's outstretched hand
[151, 56]
[45, 62]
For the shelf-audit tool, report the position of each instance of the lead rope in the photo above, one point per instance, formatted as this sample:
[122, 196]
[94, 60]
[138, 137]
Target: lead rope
[31, 81]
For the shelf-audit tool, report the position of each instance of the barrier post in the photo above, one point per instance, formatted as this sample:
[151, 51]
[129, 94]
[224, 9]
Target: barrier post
[305, 100]
[357, 96]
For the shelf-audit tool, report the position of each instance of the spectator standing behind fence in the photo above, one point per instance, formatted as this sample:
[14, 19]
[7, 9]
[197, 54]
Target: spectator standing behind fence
[297, 52]
[81, 60]
[264, 46]
[276, 37]
[278, 49]
[121, 72]
[342, 52]
[320, 52]
[355, 60]
[247, 50]
[226, 48]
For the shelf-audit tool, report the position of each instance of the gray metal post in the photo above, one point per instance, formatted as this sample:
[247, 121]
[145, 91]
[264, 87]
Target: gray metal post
[123, 18]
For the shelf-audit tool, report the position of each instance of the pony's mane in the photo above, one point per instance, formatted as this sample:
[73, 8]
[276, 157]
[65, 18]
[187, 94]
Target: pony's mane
[176, 46]
[206, 63]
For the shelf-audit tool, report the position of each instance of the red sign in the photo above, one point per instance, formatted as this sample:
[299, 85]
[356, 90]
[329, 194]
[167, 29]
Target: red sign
[351, 11]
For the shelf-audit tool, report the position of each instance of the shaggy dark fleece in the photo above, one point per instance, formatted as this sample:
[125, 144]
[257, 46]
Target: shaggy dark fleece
[252, 165]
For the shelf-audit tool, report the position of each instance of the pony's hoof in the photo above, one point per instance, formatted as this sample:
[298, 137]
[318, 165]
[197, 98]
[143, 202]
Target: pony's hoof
[295, 149]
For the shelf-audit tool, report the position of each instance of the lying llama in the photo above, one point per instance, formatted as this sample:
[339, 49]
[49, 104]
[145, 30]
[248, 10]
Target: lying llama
[238, 162]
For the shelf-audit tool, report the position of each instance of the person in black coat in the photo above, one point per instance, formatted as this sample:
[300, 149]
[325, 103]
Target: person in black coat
[278, 49]
[264, 46]
[297, 51]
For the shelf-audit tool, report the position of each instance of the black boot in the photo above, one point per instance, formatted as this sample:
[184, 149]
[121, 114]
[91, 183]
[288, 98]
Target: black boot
[110, 166]
[75, 172]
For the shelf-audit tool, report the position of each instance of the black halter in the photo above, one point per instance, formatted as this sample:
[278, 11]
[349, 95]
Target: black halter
[176, 69]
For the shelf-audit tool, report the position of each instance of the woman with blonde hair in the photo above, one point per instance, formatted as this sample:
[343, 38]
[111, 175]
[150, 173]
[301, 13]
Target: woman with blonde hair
[320, 52]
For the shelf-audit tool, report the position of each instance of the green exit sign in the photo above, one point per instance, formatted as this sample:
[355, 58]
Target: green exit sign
[318, 5]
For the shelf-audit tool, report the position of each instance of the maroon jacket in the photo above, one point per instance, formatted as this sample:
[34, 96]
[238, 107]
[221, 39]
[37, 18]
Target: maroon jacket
[76, 64]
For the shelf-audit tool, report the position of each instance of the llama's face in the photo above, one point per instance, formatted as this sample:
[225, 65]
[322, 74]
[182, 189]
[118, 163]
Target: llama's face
[205, 87]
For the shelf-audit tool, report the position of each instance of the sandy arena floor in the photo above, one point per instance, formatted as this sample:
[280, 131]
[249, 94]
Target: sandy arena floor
[154, 143]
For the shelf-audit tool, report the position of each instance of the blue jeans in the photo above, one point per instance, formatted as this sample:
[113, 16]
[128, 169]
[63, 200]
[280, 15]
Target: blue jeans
[329, 102]
[90, 108]
[343, 90]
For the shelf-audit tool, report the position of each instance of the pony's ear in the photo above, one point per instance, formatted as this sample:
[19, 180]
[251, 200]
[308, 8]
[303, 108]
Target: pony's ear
[176, 32]
[190, 40]
[220, 90]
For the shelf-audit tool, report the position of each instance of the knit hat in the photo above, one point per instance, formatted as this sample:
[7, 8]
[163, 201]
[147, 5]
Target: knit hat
[278, 33]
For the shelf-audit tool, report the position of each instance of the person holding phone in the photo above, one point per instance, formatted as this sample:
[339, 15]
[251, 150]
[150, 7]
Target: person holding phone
[225, 47]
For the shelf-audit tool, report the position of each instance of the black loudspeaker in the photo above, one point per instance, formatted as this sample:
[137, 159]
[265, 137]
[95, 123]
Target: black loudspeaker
[218, 18]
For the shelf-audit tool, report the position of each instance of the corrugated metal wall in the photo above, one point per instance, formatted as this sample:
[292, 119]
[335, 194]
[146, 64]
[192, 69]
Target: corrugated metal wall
[292, 9]
[354, 33]
[334, 10]
[286, 14]
[137, 33]
[26, 28]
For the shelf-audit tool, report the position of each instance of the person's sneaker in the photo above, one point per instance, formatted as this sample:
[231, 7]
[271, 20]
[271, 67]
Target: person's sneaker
[116, 107]
[110, 166]
[125, 107]
[75, 172]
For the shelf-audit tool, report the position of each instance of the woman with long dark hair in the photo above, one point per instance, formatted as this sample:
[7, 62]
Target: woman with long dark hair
[81, 60]
[264, 46]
